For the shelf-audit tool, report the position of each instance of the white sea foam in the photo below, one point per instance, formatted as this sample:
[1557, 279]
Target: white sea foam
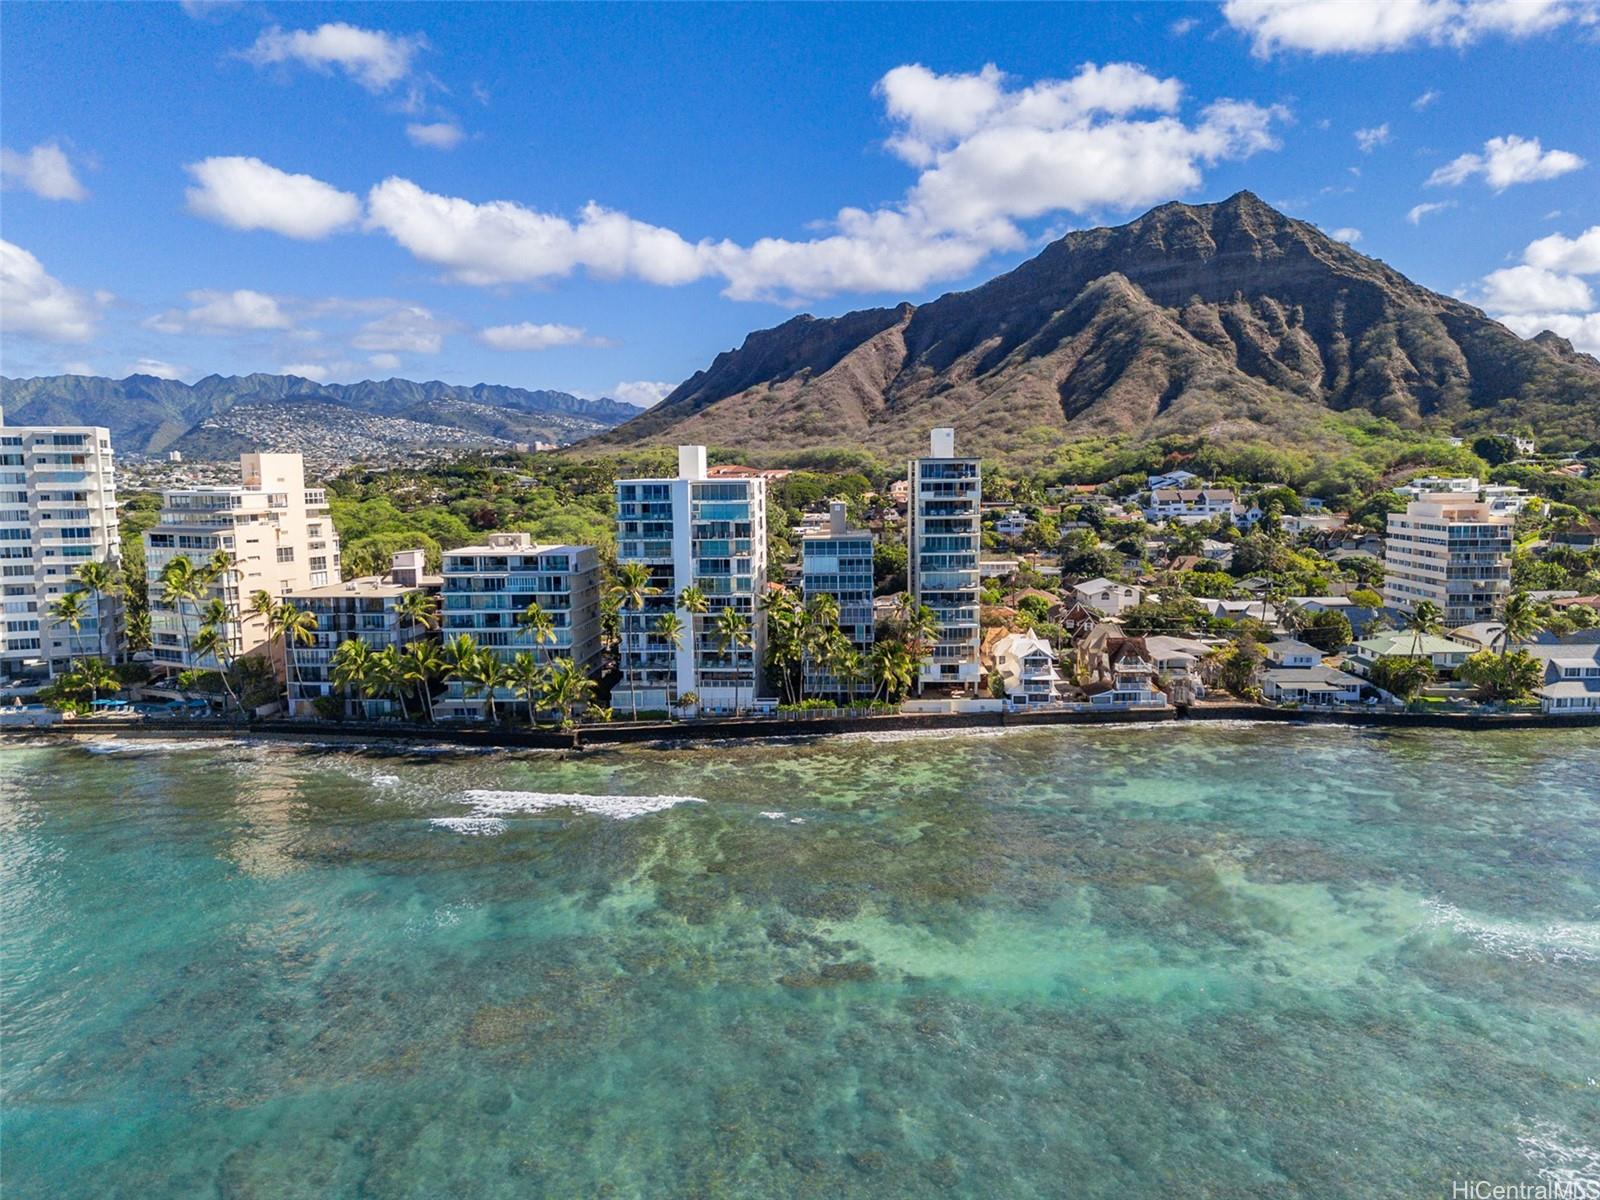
[1548, 943]
[774, 816]
[1560, 1158]
[386, 781]
[144, 746]
[474, 826]
[490, 808]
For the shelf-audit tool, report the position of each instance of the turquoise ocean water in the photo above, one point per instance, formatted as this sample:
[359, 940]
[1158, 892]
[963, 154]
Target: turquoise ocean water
[1205, 962]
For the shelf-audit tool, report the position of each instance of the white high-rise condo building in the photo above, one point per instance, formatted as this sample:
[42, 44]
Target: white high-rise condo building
[1452, 549]
[837, 561]
[367, 610]
[58, 510]
[277, 532]
[487, 587]
[693, 531]
[943, 506]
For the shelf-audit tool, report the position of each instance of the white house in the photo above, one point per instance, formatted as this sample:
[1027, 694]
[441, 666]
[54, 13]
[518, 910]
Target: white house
[1013, 525]
[1442, 653]
[1287, 652]
[1481, 635]
[1133, 686]
[1238, 610]
[1172, 479]
[1177, 660]
[1310, 685]
[1192, 504]
[1027, 664]
[1104, 596]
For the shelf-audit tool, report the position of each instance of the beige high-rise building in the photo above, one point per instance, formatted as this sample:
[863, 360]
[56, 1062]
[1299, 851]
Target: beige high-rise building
[277, 530]
[58, 510]
[1452, 549]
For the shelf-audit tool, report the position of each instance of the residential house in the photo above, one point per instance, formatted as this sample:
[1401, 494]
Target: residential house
[1172, 480]
[1443, 653]
[1107, 597]
[1027, 665]
[1013, 525]
[1192, 505]
[1310, 685]
[1288, 652]
[1480, 635]
[1132, 680]
[1177, 664]
[1571, 677]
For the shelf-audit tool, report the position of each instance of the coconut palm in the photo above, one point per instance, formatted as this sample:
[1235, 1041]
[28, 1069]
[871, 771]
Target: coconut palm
[458, 654]
[486, 676]
[69, 610]
[693, 601]
[386, 676]
[538, 622]
[669, 628]
[137, 629]
[350, 667]
[630, 589]
[421, 665]
[211, 642]
[849, 668]
[893, 668]
[418, 609]
[96, 676]
[297, 625]
[1425, 620]
[733, 634]
[786, 636]
[566, 686]
[182, 583]
[1520, 620]
[527, 679]
[102, 580]
[266, 608]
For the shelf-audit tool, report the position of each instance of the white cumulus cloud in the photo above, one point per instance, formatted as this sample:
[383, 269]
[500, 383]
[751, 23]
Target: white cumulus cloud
[1347, 235]
[246, 193]
[1427, 100]
[437, 135]
[1505, 161]
[45, 171]
[1418, 211]
[1546, 291]
[34, 302]
[526, 335]
[385, 362]
[1373, 26]
[1579, 255]
[410, 328]
[1368, 140]
[645, 393]
[154, 366]
[223, 312]
[374, 59]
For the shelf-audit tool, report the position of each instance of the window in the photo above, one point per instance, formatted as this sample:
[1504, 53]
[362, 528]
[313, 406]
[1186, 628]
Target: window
[286, 554]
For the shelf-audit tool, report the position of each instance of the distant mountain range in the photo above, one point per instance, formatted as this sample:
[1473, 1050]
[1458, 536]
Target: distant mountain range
[1227, 319]
[219, 414]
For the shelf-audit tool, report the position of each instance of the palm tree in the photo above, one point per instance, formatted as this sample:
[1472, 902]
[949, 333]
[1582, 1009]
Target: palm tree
[138, 629]
[849, 668]
[386, 676]
[527, 678]
[631, 588]
[1424, 620]
[487, 675]
[893, 668]
[418, 610]
[786, 635]
[69, 610]
[101, 579]
[420, 665]
[540, 623]
[733, 634]
[209, 641]
[182, 583]
[1520, 620]
[693, 601]
[297, 625]
[458, 655]
[565, 687]
[819, 644]
[922, 635]
[669, 627]
[94, 674]
[350, 667]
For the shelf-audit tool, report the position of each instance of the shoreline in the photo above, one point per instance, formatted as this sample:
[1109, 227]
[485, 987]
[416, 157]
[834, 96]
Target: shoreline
[467, 736]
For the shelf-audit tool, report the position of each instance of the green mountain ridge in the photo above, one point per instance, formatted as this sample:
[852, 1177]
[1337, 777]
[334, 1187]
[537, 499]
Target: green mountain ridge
[148, 415]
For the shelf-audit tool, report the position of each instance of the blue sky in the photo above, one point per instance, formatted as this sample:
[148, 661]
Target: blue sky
[601, 198]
